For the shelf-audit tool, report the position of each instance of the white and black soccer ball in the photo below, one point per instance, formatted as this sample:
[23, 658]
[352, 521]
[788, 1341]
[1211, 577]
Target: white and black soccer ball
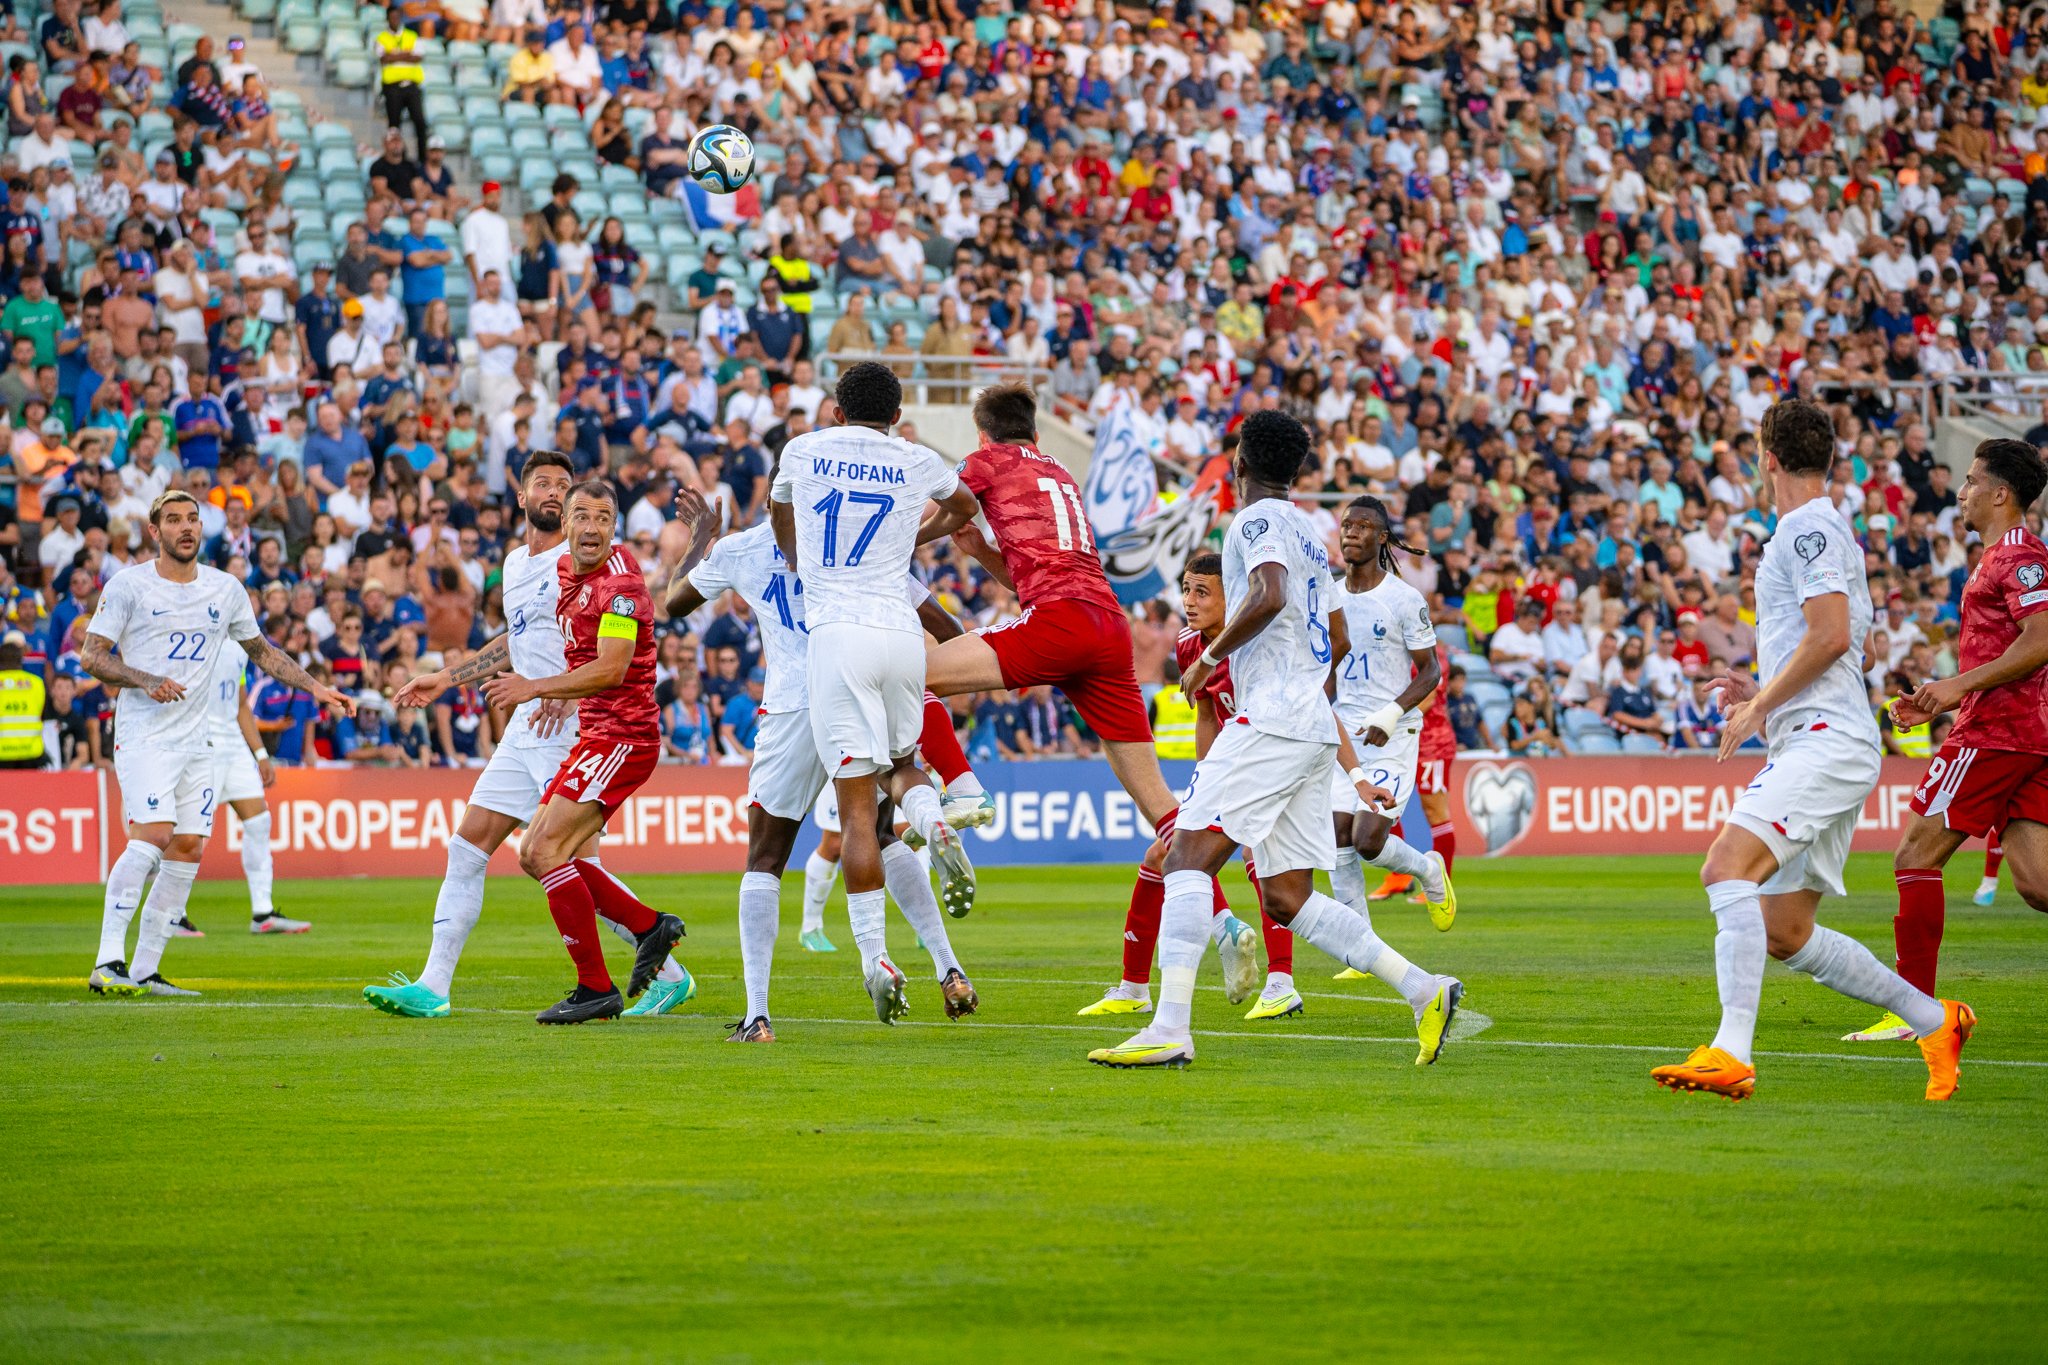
[721, 159]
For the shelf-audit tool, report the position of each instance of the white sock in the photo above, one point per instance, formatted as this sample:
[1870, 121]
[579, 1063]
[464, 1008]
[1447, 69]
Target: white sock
[456, 910]
[165, 907]
[819, 875]
[671, 970]
[1739, 956]
[967, 784]
[1398, 855]
[1219, 920]
[1278, 983]
[920, 807]
[760, 919]
[1130, 990]
[124, 896]
[1190, 899]
[868, 914]
[1842, 964]
[256, 864]
[910, 886]
[1347, 879]
[1346, 935]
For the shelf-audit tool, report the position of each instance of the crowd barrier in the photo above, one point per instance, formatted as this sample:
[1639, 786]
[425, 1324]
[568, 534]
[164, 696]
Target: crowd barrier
[65, 828]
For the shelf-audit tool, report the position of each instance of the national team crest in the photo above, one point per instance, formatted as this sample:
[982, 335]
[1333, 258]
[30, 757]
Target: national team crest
[2030, 576]
[1809, 546]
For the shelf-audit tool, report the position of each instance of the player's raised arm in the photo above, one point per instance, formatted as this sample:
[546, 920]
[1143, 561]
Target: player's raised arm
[421, 689]
[955, 510]
[286, 670]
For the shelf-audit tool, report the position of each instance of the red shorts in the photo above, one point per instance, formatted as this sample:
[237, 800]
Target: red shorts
[1974, 791]
[1085, 651]
[1432, 776]
[604, 771]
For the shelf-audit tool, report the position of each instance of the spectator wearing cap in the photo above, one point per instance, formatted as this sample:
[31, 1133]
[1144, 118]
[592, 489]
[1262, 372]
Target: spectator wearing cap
[487, 244]
[530, 76]
[435, 188]
[61, 542]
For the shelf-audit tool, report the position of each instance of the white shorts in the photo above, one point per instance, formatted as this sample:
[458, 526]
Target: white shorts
[1392, 766]
[867, 697]
[234, 773]
[1804, 805]
[826, 811]
[786, 777]
[1270, 795]
[512, 782]
[160, 786]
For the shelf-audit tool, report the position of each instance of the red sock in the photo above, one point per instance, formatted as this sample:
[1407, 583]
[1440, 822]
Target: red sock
[1444, 839]
[1222, 902]
[1164, 829]
[1279, 938]
[1916, 931]
[612, 899]
[1993, 856]
[939, 743]
[576, 916]
[1141, 926]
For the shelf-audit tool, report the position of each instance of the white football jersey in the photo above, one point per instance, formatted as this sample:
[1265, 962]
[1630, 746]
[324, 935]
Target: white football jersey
[224, 699]
[176, 631]
[1384, 624]
[532, 585]
[1813, 553]
[858, 495]
[751, 564]
[1278, 676]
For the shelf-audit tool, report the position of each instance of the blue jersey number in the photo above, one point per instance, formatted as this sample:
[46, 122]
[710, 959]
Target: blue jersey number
[1357, 668]
[188, 647]
[1318, 630]
[830, 505]
[778, 592]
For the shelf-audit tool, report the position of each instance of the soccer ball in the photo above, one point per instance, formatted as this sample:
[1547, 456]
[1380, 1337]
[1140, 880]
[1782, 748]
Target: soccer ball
[721, 158]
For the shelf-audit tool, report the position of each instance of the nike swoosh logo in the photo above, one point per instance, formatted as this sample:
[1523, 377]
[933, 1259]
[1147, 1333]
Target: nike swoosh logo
[160, 612]
[440, 921]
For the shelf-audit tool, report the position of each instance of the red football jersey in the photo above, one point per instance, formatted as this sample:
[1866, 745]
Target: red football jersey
[2010, 584]
[1222, 701]
[612, 590]
[1436, 721]
[1034, 507]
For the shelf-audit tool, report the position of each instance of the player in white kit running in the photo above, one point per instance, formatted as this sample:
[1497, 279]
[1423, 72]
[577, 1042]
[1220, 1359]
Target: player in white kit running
[1264, 783]
[1382, 682]
[1787, 836]
[537, 738]
[242, 772]
[787, 777]
[169, 619]
[846, 505]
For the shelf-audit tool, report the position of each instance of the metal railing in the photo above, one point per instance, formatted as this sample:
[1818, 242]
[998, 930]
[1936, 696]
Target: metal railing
[934, 379]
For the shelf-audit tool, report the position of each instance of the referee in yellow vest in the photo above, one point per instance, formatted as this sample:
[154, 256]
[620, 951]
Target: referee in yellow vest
[404, 79]
[21, 709]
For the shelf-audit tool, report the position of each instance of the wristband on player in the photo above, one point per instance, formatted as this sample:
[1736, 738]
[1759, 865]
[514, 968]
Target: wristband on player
[1386, 718]
[1358, 777]
[1210, 657]
[259, 753]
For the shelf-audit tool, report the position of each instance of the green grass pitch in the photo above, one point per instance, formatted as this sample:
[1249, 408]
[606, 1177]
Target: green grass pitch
[278, 1172]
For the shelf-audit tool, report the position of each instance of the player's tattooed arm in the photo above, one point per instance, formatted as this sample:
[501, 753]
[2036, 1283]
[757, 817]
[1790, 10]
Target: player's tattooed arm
[286, 670]
[97, 657]
[493, 659]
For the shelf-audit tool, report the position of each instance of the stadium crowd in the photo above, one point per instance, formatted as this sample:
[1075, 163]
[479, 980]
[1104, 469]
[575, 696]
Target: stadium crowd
[1532, 272]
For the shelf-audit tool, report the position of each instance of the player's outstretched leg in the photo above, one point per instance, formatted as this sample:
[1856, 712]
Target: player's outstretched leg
[1842, 964]
[651, 932]
[1347, 935]
[457, 908]
[125, 882]
[967, 804]
[920, 808]
[910, 886]
[1916, 941]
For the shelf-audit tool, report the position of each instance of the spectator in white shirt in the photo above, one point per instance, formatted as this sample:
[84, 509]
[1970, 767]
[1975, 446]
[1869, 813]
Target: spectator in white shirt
[1517, 650]
[1564, 639]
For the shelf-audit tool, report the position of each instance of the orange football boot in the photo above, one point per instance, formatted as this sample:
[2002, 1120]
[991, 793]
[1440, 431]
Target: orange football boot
[1943, 1048]
[1392, 885]
[1712, 1070]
